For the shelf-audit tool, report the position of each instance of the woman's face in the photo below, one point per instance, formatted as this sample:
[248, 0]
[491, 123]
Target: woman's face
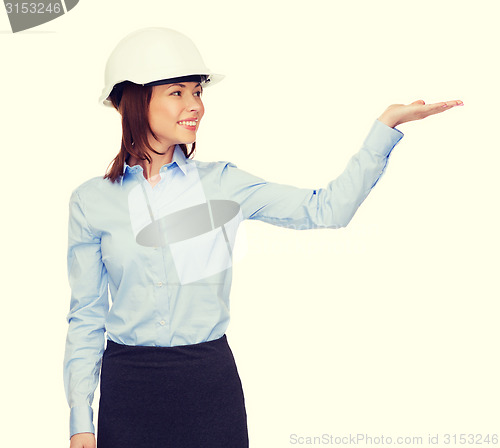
[175, 112]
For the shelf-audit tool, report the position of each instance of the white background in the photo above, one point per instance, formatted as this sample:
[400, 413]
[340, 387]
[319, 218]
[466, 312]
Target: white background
[387, 327]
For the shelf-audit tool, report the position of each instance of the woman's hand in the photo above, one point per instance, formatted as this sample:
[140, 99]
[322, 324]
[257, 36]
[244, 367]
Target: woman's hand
[83, 440]
[400, 113]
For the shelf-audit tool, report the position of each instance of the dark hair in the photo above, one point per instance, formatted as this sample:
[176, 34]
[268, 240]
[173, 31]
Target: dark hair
[132, 102]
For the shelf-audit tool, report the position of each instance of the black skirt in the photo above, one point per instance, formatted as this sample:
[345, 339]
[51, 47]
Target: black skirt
[171, 397]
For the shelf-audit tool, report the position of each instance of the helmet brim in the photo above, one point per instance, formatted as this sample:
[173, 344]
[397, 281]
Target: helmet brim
[213, 78]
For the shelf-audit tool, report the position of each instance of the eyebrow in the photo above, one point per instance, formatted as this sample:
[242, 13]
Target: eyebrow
[183, 85]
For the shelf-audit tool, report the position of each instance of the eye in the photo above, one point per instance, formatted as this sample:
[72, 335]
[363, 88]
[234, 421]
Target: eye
[198, 93]
[176, 92]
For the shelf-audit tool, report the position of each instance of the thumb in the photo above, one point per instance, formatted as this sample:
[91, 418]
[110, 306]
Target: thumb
[418, 102]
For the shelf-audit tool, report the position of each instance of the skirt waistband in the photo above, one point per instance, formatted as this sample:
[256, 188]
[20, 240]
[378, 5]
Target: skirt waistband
[206, 350]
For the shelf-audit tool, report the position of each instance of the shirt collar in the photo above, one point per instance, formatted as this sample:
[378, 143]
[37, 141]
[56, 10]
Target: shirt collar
[178, 158]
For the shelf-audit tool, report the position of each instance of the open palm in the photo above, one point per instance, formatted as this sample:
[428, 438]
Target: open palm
[401, 113]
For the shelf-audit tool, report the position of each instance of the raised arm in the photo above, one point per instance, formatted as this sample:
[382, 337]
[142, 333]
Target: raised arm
[308, 208]
[88, 310]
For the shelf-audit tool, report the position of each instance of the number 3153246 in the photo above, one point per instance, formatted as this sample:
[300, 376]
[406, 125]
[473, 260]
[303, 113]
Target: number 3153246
[33, 8]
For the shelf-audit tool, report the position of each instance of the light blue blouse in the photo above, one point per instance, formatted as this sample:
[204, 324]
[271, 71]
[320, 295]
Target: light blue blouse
[165, 252]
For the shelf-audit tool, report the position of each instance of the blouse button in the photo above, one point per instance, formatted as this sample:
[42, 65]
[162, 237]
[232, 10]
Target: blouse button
[162, 322]
[159, 284]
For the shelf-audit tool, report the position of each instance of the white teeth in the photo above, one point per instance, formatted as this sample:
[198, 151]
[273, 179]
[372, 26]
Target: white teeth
[188, 123]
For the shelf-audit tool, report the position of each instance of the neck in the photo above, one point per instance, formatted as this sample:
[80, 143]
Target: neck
[152, 170]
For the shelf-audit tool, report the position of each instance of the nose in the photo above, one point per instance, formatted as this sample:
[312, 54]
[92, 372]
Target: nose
[194, 104]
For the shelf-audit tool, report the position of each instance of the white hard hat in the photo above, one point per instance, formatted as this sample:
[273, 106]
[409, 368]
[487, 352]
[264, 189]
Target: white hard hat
[153, 54]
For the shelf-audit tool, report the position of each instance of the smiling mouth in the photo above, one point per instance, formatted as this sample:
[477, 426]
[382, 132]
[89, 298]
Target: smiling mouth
[188, 123]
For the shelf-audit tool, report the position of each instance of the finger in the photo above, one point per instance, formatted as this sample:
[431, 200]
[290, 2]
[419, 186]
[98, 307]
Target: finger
[436, 108]
[418, 102]
[447, 104]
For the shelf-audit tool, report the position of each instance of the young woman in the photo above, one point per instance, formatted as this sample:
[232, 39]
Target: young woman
[158, 230]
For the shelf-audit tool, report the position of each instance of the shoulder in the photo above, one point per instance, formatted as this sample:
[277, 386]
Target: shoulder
[95, 186]
[215, 166]
[210, 165]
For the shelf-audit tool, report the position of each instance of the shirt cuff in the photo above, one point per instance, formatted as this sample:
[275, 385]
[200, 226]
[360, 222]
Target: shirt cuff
[81, 420]
[382, 138]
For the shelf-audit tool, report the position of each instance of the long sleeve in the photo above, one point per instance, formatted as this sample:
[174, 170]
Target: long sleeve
[87, 316]
[303, 208]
